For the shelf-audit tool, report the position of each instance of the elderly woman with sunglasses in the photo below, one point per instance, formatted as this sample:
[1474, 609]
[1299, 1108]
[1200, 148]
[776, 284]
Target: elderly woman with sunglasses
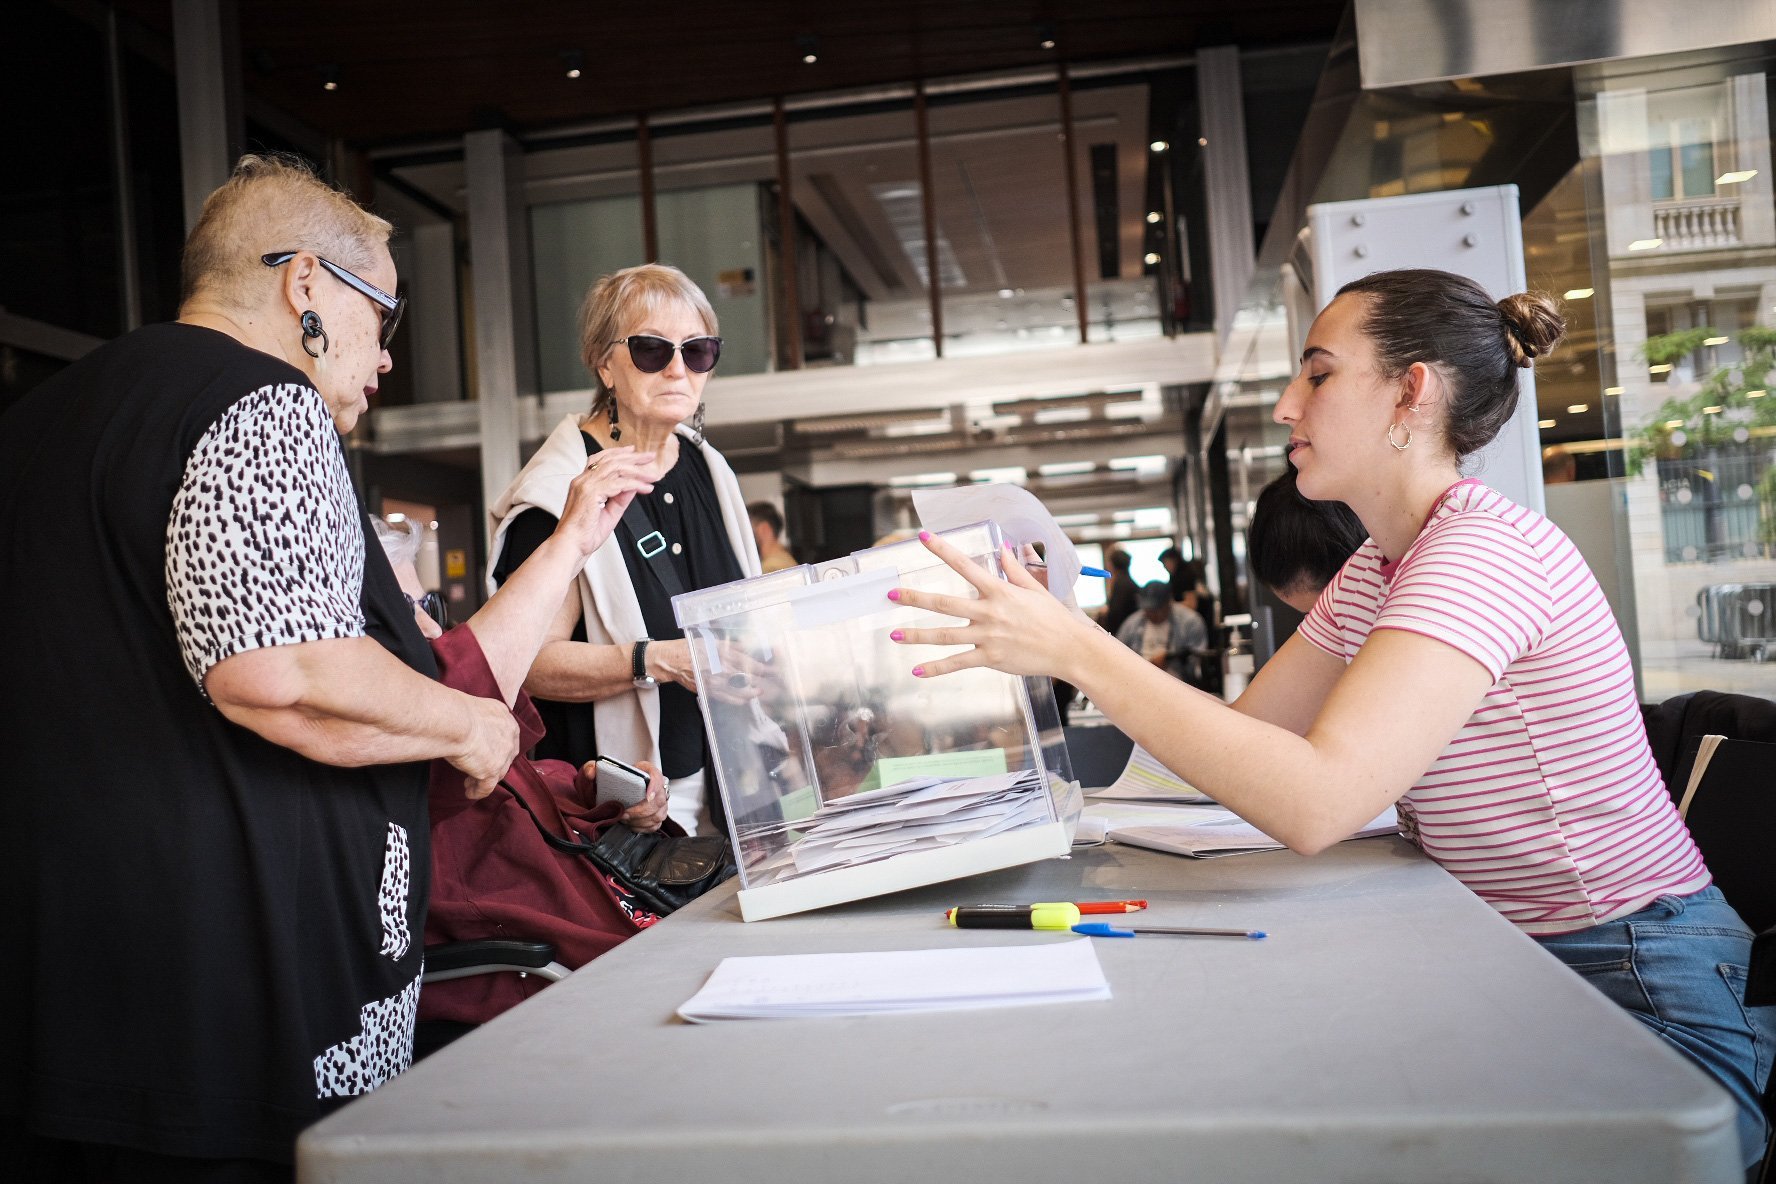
[616, 672]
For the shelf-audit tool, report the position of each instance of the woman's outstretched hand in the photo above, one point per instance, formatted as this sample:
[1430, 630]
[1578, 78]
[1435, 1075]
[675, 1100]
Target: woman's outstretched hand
[1015, 625]
[597, 498]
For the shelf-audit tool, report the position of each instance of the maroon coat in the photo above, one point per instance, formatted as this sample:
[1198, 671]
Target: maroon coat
[493, 874]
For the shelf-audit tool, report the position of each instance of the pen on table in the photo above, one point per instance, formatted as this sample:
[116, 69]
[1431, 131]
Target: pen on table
[970, 913]
[1104, 929]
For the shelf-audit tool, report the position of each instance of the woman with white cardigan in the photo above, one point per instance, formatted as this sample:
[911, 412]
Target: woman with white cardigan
[615, 675]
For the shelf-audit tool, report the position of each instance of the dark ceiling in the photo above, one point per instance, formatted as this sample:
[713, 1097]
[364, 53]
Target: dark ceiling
[411, 70]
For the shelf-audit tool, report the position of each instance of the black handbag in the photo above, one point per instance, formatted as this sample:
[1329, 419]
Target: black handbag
[663, 871]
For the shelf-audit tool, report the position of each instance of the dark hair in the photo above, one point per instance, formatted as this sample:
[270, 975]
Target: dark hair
[1292, 542]
[767, 513]
[1171, 553]
[1119, 559]
[1477, 344]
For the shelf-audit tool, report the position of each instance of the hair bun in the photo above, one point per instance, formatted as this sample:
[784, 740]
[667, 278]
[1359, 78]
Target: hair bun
[1533, 325]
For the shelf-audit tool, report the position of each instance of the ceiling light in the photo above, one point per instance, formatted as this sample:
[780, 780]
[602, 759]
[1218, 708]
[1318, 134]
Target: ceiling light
[574, 61]
[1735, 178]
[1714, 341]
[1153, 216]
[1068, 468]
[1544, 423]
[1673, 423]
[1578, 409]
[1202, 141]
[1645, 244]
[1756, 394]
[809, 48]
[1045, 36]
[1579, 293]
[1158, 146]
[1612, 390]
[1663, 368]
[329, 77]
[1006, 293]
[1152, 257]
[1712, 410]
[922, 479]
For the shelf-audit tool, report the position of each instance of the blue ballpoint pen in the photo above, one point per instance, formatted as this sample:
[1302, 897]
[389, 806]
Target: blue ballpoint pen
[1094, 571]
[1103, 929]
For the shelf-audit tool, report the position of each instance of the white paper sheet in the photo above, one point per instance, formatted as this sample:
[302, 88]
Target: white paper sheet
[1144, 779]
[1207, 832]
[1022, 519]
[804, 985]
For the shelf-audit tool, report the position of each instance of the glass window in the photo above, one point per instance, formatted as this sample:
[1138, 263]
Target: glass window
[1688, 349]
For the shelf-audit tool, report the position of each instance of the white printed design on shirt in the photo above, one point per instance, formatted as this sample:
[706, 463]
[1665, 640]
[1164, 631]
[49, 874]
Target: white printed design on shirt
[391, 897]
[382, 1048]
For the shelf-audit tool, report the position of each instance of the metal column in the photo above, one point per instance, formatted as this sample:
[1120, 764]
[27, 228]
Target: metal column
[1232, 251]
[206, 54]
[504, 300]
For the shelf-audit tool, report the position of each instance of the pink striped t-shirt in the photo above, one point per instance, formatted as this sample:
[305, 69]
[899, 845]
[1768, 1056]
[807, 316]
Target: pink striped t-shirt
[1547, 803]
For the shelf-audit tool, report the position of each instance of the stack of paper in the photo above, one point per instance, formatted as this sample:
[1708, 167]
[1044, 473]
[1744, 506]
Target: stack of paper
[1206, 832]
[918, 815]
[801, 985]
[1144, 779]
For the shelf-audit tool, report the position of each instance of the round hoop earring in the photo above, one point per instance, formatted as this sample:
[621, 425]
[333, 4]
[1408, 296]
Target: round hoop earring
[615, 431]
[1398, 447]
[311, 329]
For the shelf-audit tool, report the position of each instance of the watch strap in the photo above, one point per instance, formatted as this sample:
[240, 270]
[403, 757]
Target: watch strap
[638, 660]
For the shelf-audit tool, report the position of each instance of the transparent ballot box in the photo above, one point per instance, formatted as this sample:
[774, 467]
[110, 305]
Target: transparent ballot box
[843, 775]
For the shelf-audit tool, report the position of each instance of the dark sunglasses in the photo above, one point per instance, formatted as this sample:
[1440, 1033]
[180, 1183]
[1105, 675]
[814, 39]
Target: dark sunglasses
[432, 605]
[653, 354]
[388, 307]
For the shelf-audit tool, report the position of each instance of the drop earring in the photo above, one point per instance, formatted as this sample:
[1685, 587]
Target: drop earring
[615, 431]
[311, 329]
[697, 422]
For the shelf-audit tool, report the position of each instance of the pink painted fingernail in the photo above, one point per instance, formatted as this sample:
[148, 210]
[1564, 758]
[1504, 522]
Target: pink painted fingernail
[918, 672]
[924, 536]
[894, 594]
[895, 636]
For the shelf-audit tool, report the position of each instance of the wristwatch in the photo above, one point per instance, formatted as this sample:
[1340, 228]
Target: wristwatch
[638, 669]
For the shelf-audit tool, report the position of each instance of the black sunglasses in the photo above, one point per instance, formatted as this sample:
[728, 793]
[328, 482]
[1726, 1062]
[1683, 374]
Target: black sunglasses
[388, 307]
[653, 354]
[432, 604]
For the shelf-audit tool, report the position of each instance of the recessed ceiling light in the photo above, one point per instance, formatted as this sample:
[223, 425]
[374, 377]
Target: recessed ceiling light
[574, 61]
[329, 77]
[1612, 390]
[1756, 394]
[1662, 368]
[1735, 178]
[1544, 423]
[1152, 257]
[1578, 408]
[1153, 216]
[1645, 244]
[809, 48]
[1714, 341]
[1712, 410]
[1158, 146]
[1579, 293]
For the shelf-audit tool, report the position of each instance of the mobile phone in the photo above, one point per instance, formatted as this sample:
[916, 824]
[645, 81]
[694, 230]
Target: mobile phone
[618, 782]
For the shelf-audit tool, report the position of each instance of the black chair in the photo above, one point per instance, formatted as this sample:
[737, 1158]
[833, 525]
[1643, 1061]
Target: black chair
[460, 959]
[1099, 753]
[1731, 813]
[1676, 726]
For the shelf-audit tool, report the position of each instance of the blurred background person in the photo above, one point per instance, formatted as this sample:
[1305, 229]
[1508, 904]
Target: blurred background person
[767, 532]
[1167, 634]
[616, 672]
[1119, 594]
[1295, 546]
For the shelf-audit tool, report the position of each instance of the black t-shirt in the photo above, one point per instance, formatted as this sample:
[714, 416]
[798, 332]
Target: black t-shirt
[210, 940]
[687, 513]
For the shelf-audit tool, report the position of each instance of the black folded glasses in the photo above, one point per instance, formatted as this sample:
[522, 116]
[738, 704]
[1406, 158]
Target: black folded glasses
[653, 354]
[388, 307]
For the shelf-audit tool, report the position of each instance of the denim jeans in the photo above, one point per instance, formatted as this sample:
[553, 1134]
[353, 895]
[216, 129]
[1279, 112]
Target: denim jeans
[1679, 967]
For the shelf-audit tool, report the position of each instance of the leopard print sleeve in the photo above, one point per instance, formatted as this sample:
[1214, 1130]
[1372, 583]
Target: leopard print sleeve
[264, 543]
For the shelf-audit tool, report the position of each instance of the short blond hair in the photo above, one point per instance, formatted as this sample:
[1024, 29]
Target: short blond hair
[273, 202]
[619, 296]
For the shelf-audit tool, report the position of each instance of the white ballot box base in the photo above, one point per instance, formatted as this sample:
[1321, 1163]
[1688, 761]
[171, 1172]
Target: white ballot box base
[1025, 845]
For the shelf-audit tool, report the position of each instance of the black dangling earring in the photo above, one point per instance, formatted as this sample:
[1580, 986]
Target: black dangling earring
[616, 432]
[311, 329]
[697, 423]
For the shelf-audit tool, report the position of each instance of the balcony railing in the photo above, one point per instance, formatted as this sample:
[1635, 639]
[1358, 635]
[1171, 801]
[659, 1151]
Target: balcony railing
[1697, 223]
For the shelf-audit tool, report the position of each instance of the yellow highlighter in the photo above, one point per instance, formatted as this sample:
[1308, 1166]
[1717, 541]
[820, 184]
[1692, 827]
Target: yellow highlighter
[1058, 916]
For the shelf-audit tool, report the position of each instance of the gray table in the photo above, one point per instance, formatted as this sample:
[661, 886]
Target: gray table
[1392, 1028]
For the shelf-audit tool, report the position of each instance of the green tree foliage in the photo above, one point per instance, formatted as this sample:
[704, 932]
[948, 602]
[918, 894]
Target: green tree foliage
[1731, 397]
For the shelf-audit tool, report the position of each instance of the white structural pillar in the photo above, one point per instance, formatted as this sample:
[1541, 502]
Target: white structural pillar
[1227, 185]
[505, 321]
[206, 57]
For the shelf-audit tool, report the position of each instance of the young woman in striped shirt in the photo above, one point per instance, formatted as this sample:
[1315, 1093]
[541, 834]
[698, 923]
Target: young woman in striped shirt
[1463, 666]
